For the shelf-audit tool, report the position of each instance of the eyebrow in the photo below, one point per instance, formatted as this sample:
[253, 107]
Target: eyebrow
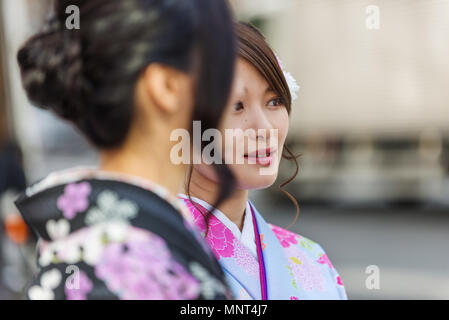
[267, 90]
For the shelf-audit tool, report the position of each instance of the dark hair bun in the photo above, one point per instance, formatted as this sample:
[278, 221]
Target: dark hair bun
[88, 75]
[51, 69]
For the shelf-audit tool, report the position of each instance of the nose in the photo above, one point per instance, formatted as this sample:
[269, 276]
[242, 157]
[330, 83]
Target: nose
[260, 123]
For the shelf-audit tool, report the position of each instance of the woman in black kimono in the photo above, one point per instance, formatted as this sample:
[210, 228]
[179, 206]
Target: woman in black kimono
[135, 71]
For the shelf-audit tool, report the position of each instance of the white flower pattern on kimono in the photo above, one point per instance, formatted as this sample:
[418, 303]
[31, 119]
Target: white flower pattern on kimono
[91, 227]
[58, 229]
[63, 250]
[209, 285]
[110, 207]
[48, 282]
[120, 255]
[86, 244]
[46, 252]
[100, 235]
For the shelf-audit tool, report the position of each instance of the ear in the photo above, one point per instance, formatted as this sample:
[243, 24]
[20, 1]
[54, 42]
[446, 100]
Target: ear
[168, 88]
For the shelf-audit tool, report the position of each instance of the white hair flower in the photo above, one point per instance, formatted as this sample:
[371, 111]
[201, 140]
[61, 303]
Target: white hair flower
[291, 81]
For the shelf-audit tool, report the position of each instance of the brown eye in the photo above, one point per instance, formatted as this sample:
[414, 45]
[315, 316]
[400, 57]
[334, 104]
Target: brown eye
[276, 102]
[238, 106]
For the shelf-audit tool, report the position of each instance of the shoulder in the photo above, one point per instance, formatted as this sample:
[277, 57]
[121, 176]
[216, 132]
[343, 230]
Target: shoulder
[288, 238]
[120, 239]
[293, 242]
[306, 256]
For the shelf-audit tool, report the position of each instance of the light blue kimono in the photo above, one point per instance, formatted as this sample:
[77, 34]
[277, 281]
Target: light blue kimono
[296, 268]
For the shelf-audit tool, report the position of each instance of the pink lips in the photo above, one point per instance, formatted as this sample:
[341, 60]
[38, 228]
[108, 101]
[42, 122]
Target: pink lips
[263, 157]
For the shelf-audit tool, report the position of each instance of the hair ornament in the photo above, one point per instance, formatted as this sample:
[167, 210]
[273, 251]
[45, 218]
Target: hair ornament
[291, 81]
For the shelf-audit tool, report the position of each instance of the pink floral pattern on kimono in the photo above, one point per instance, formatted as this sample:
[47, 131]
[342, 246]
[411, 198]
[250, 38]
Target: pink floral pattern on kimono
[144, 270]
[305, 271]
[79, 290]
[309, 268]
[286, 238]
[219, 237]
[74, 200]
[324, 259]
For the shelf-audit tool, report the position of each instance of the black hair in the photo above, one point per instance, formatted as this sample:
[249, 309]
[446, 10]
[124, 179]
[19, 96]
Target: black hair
[88, 75]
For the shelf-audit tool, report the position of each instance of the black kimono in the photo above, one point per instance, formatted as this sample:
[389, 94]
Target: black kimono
[109, 236]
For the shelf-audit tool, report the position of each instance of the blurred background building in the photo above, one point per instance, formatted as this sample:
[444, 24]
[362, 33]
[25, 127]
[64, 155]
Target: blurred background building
[373, 113]
[371, 123]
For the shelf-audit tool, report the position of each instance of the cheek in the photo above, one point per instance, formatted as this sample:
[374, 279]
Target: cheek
[248, 176]
[232, 145]
[284, 123]
[281, 123]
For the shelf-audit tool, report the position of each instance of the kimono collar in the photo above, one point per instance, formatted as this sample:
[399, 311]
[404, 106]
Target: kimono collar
[240, 266]
[246, 236]
[73, 175]
[276, 263]
[68, 194]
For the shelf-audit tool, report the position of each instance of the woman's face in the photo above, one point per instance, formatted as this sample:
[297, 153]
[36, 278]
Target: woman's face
[255, 151]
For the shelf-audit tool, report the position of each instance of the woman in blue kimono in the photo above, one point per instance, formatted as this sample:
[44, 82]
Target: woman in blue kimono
[260, 260]
[132, 73]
